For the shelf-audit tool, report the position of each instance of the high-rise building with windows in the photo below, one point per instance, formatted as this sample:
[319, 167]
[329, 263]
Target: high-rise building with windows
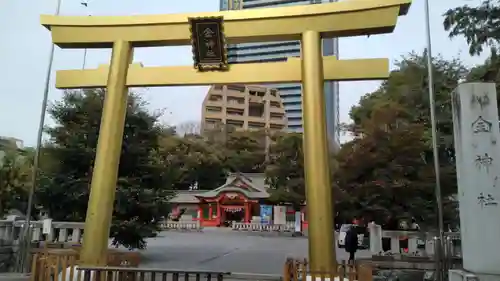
[280, 51]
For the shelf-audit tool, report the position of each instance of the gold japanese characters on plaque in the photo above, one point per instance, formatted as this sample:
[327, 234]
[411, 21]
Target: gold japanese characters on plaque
[209, 43]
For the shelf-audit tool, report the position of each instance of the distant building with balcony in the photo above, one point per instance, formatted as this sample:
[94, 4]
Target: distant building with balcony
[243, 107]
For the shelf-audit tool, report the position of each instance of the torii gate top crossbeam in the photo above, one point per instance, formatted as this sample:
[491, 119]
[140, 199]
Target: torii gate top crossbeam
[347, 18]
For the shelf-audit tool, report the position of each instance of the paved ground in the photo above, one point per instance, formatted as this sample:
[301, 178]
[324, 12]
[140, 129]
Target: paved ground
[225, 250]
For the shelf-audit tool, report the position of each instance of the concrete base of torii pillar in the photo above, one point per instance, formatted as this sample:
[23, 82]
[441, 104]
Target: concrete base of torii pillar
[477, 148]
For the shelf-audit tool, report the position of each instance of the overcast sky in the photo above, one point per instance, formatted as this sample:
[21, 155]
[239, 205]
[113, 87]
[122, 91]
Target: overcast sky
[24, 52]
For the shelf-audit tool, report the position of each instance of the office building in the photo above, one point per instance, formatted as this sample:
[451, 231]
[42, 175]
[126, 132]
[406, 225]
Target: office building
[280, 51]
[243, 107]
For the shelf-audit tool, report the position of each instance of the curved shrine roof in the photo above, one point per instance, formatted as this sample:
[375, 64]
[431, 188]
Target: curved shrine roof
[252, 186]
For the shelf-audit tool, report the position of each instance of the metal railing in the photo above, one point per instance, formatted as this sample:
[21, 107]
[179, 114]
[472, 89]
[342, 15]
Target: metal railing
[147, 274]
[254, 277]
[446, 255]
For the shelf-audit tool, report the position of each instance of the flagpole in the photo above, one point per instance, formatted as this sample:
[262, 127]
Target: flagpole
[336, 95]
[432, 105]
[86, 5]
[26, 238]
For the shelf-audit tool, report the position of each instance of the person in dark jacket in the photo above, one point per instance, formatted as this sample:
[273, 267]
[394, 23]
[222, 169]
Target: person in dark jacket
[351, 242]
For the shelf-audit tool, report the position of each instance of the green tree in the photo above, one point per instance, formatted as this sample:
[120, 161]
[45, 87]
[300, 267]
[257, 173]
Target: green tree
[191, 162]
[407, 89]
[385, 172]
[15, 179]
[403, 102]
[245, 151]
[478, 24]
[285, 169]
[143, 190]
[242, 151]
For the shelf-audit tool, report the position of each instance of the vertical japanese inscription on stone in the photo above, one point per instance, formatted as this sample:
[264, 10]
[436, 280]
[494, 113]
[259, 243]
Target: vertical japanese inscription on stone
[481, 100]
[486, 200]
[483, 142]
[208, 43]
[484, 162]
[481, 126]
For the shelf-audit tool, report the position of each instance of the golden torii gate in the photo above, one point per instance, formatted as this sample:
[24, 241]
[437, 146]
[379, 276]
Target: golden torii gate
[308, 23]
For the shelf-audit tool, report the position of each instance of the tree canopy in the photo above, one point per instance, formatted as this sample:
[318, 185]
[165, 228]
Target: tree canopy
[385, 172]
[392, 152]
[245, 151]
[388, 167]
[189, 162]
[143, 189]
[285, 170]
[15, 178]
[479, 25]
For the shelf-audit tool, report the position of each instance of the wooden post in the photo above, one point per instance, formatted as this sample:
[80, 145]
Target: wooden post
[200, 213]
[247, 212]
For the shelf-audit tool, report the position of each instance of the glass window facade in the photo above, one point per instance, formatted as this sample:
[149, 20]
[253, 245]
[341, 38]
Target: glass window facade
[280, 51]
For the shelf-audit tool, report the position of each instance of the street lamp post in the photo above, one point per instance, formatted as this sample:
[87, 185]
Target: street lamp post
[432, 105]
[26, 238]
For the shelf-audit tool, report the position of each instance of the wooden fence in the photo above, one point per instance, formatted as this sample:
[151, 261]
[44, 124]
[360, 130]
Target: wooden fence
[62, 264]
[298, 270]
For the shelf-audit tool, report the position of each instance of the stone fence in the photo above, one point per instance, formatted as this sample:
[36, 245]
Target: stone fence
[416, 243]
[11, 234]
[261, 227]
[68, 232]
[181, 225]
[407, 243]
[403, 243]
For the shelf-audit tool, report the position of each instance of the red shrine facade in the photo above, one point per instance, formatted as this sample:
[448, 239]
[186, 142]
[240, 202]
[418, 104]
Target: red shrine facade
[227, 206]
[238, 200]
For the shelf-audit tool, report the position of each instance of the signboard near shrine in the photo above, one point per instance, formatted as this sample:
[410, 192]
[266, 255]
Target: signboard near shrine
[266, 214]
[209, 43]
[279, 215]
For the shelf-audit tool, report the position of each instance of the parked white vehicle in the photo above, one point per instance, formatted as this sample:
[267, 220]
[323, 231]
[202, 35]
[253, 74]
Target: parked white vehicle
[342, 234]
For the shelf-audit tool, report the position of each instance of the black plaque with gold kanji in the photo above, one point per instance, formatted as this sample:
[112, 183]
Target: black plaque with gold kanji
[209, 43]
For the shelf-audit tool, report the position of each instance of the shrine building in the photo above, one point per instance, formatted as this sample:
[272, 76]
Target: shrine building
[242, 198]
